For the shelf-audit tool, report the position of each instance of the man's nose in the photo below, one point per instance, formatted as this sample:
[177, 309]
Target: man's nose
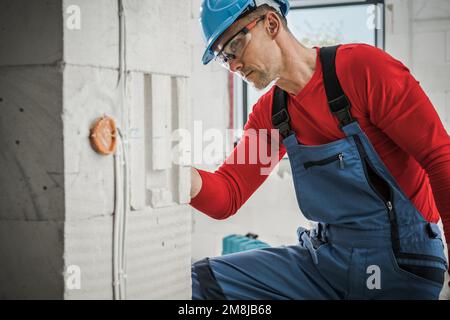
[235, 65]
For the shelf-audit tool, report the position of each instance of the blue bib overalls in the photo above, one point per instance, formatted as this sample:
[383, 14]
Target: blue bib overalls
[370, 241]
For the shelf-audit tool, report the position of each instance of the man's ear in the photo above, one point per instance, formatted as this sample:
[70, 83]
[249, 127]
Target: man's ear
[272, 24]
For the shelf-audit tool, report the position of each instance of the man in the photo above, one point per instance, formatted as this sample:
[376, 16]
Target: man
[370, 161]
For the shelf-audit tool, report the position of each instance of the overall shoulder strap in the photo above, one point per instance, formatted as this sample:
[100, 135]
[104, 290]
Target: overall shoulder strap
[280, 115]
[337, 101]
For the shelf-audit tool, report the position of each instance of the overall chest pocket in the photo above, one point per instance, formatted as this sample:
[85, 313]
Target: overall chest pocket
[338, 158]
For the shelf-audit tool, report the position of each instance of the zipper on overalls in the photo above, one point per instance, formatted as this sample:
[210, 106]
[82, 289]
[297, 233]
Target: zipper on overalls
[387, 202]
[338, 157]
[341, 161]
[366, 160]
[390, 208]
[394, 225]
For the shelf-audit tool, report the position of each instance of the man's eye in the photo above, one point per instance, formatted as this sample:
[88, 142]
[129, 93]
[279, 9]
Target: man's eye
[229, 57]
[234, 45]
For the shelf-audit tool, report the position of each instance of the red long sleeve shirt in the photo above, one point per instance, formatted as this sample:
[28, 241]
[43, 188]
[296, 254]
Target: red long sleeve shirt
[391, 108]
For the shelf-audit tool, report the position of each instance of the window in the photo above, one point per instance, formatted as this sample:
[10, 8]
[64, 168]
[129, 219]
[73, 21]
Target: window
[319, 23]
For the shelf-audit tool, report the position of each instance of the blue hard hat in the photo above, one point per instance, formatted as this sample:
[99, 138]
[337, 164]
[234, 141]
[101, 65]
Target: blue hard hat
[217, 15]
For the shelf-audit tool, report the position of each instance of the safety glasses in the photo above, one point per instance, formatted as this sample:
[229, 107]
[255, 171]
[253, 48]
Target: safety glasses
[235, 47]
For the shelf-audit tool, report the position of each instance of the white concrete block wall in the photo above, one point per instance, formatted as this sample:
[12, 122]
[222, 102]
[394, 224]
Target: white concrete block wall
[56, 191]
[397, 29]
[160, 104]
[182, 119]
[430, 10]
[162, 107]
[88, 246]
[157, 33]
[138, 133]
[158, 254]
[89, 93]
[96, 42]
[152, 46]
[146, 106]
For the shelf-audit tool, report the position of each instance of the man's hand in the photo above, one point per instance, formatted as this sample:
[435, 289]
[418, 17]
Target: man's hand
[196, 182]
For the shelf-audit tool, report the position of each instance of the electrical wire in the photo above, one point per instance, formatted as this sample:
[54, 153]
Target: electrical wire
[123, 222]
[121, 205]
[118, 207]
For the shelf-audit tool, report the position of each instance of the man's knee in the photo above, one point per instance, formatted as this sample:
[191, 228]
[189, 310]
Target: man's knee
[204, 283]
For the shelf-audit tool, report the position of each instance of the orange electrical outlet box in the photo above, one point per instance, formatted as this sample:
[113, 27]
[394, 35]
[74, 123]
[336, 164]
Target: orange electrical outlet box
[103, 135]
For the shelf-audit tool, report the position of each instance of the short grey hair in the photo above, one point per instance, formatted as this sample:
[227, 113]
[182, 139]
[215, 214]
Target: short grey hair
[263, 9]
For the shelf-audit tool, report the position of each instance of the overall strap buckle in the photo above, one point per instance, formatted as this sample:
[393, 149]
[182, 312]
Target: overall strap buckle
[338, 102]
[280, 115]
[340, 108]
[281, 122]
